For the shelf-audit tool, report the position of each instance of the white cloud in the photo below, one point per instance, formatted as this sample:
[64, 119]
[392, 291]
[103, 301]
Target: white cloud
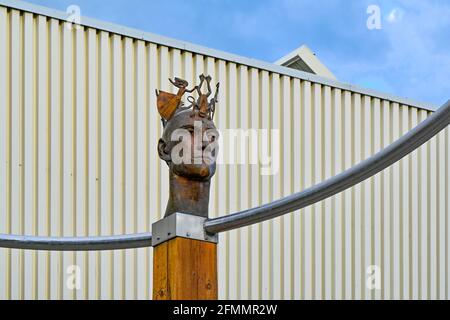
[415, 59]
[417, 51]
[395, 15]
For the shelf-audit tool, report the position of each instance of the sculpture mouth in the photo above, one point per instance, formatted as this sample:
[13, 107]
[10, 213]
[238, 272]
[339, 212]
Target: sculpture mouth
[204, 159]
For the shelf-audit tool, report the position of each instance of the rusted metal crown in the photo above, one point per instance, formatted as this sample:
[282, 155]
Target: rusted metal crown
[169, 104]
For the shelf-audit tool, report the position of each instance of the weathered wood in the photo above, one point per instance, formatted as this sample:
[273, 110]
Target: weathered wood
[160, 283]
[185, 269]
[207, 271]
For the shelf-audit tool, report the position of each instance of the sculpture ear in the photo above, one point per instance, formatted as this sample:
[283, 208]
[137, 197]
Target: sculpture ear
[162, 150]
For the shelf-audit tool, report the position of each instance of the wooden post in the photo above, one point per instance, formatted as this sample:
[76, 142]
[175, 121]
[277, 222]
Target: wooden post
[185, 269]
[185, 255]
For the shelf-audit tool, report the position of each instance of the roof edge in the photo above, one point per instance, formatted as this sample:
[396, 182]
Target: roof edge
[305, 54]
[187, 46]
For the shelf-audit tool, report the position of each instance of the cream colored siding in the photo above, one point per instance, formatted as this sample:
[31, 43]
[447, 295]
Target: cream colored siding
[78, 135]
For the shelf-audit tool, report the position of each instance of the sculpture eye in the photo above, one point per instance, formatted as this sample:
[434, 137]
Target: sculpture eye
[212, 135]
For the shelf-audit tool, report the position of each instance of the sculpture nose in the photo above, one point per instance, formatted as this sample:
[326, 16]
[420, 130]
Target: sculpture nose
[200, 145]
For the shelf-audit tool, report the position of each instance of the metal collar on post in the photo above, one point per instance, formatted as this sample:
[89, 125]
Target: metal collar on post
[181, 225]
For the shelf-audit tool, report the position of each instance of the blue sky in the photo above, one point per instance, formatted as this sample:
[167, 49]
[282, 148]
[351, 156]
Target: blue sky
[409, 56]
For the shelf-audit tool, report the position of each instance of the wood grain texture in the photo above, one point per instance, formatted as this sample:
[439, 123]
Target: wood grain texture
[160, 283]
[185, 269]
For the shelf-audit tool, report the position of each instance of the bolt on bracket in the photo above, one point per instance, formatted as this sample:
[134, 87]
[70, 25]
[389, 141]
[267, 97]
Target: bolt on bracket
[181, 225]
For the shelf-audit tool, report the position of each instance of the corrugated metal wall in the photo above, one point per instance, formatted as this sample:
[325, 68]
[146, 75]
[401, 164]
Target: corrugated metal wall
[79, 127]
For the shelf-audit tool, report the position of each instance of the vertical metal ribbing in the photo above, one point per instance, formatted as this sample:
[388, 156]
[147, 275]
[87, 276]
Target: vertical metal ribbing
[77, 158]
[348, 197]
[141, 168]
[117, 64]
[242, 152]
[405, 224]
[106, 178]
[338, 218]
[3, 146]
[307, 157]
[286, 175]
[255, 243]
[15, 151]
[153, 127]
[377, 192]
[297, 158]
[276, 274]
[317, 221]
[352, 229]
[68, 151]
[93, 156]
[396, 210]
[222, 191]
[130, 162]
[232, 179]
[385, 262]
[442, 276]
[328, 203]
[432, 207]
[367, 194]
[143, 268]
[30, 141]
[358, 224]
[81, 156]
[265, 188]
[55, 153]
[415, 223]
[423, 217]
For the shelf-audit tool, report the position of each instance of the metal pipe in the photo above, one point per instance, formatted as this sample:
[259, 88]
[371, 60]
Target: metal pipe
[356, 174]
[76, 244]
[362, 171]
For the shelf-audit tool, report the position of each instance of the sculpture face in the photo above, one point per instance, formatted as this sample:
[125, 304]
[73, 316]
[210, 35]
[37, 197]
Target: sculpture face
[189, 146]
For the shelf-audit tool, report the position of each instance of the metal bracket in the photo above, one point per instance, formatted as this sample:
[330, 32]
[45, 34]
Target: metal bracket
[181, 225]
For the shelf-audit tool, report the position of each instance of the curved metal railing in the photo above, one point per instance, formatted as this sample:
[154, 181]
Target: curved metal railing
[354, 175]
[128, 241]
[360, 172]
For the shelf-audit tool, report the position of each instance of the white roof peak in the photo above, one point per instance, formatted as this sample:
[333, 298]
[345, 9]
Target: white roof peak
[304, 59]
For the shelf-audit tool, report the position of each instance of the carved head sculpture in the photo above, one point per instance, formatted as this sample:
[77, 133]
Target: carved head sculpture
[186, 145]
[189, 147]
